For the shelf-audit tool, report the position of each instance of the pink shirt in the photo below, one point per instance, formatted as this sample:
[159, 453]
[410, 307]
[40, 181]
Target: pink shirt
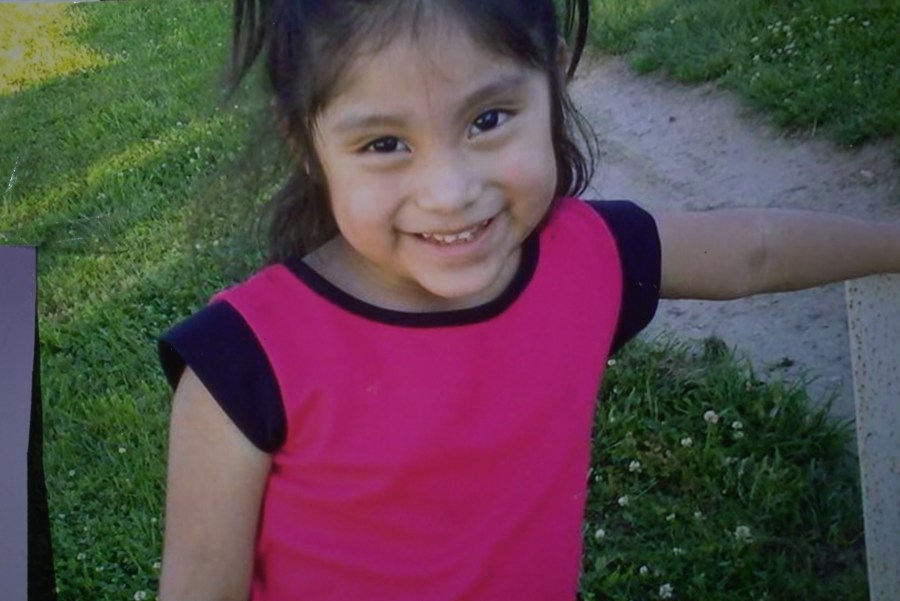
[435, 456]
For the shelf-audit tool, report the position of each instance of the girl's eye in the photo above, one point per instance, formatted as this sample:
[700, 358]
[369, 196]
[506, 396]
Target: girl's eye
[488, 120]
[385, 145]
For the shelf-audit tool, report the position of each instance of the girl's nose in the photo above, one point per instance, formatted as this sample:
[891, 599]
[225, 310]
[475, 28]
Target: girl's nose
[448, 184]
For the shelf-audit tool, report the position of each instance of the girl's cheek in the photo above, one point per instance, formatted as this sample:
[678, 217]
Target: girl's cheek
[531, 168]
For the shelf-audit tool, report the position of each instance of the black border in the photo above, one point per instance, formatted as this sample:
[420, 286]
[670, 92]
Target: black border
[434, 319]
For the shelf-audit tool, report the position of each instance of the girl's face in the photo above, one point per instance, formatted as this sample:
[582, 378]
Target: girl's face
[439, 162]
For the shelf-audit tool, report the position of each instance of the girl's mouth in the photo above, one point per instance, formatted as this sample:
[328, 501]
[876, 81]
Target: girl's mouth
[460, 237]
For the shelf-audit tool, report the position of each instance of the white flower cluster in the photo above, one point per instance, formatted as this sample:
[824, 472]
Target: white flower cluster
[742, 535]
[666, 591]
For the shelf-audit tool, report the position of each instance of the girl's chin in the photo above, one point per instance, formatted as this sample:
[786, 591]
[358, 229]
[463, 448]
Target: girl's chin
[463, 289]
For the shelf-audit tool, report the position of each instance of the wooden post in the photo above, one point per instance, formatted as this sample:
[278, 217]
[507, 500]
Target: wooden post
[26, 558]
[873, 309]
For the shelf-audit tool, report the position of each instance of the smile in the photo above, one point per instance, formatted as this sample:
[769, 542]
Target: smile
[461, 237]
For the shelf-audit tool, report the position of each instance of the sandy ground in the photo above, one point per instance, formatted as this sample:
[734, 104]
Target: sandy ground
[669, 146]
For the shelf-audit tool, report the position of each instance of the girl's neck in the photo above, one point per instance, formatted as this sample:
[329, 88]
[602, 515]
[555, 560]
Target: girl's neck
[340, 265]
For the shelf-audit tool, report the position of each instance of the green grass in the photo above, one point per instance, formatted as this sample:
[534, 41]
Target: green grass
[101, 168]
[721, 486]
[814, 65]
[39, 46]
[111, 166]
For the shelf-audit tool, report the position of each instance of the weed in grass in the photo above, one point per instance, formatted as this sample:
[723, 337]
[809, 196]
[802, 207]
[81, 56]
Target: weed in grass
[707, 483]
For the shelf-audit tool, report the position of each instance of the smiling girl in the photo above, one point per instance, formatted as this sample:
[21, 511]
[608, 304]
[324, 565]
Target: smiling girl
[399, 405]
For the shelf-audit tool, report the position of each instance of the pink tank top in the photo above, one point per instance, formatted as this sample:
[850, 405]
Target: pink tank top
[435, 456]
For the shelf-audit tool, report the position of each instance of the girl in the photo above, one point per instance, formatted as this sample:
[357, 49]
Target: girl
[399, 406]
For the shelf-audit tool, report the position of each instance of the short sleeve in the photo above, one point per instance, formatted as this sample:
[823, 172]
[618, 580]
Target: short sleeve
[225, 354]
[637, 240]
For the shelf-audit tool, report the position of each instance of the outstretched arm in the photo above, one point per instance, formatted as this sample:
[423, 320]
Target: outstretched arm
[727, 254]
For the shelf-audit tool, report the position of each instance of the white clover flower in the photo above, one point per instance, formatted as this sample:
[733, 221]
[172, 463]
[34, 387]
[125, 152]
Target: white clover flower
[737, 425]
[140, 596]
[71, 473]
[623, 501]
[157, 565]
[670, 517]
[644, 570]
[677, 551]
[742, 534]
[81, 556]
[599, 534]
[121, 450]
[738, 435]
[687, 441]
[711, 417]
[611, 362]
[666, 591]
[634, 466]
[698, 515]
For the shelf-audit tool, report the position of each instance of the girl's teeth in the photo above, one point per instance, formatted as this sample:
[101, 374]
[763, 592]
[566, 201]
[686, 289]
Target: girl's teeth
[464, 236]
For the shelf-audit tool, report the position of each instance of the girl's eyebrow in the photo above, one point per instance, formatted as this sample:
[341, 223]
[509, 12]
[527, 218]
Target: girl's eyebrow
[499, 87]
[364, 122]
[502, 86]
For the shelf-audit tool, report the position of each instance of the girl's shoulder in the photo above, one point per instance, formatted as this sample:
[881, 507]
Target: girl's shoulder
[270, 279]
[631, 231]
[625, 221]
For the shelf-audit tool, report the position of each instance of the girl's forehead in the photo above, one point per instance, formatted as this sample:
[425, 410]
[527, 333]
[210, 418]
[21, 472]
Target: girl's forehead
[443, 58]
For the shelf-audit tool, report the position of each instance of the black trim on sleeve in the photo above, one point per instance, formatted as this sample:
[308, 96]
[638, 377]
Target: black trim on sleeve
[639, 248]
[225, 354]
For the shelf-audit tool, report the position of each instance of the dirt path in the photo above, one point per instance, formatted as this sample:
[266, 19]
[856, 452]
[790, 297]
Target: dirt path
[671, 146]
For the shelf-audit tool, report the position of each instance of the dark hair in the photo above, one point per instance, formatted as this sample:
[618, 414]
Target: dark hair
[308, 44]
